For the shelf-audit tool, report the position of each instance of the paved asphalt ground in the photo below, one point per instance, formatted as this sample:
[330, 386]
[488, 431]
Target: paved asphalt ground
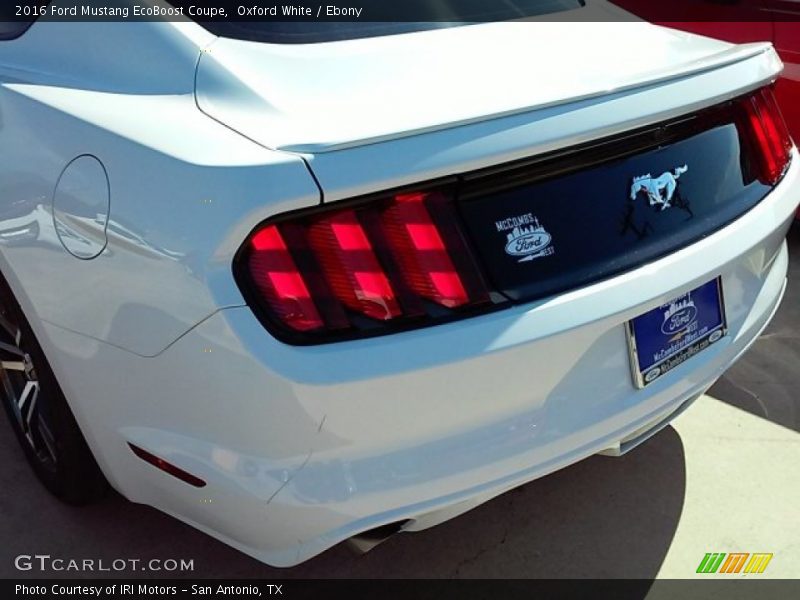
[723, 478]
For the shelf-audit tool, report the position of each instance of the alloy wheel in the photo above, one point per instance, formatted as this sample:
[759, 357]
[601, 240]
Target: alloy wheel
[21, 392]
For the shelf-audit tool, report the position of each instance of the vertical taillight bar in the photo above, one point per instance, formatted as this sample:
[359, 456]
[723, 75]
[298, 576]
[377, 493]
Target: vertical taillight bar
[275, 275]
[348, 260]
[421, 251]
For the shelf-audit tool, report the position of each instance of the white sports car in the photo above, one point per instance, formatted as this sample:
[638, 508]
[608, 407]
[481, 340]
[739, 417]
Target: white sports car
[298, 283]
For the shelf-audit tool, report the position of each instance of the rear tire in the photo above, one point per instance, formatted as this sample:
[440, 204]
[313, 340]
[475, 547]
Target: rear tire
[39, 414]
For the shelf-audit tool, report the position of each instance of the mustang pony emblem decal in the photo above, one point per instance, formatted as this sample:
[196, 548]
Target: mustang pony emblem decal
[659, 190]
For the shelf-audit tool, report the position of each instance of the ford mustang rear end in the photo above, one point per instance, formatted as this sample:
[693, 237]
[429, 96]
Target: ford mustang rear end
[353, 287]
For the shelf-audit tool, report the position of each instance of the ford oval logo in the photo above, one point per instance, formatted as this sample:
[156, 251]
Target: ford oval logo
[679, 320]
[529, 243]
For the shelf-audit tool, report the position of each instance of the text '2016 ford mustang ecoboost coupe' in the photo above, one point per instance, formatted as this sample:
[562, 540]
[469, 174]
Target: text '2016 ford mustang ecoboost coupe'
[301, 283]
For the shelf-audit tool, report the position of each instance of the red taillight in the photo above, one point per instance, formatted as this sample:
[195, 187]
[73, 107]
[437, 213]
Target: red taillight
[388, 262]
[769, 132]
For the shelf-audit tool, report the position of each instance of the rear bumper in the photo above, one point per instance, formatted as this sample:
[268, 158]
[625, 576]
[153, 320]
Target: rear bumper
[303, 447]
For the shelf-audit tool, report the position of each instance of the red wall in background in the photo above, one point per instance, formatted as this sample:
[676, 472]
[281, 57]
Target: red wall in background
[776, 21]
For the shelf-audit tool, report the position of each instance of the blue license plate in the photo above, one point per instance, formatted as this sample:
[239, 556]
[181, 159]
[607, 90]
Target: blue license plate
[672, 333]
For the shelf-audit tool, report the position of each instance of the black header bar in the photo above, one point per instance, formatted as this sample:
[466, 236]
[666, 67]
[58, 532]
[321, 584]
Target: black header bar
[409, 11]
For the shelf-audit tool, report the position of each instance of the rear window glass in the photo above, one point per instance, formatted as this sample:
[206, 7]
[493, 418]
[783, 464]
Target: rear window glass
[427, 14]
[11, 30]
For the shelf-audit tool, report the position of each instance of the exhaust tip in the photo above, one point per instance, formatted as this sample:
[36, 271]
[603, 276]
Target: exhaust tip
[364, 542]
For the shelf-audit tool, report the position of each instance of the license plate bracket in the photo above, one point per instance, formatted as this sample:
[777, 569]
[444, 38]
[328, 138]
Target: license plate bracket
[669, 335]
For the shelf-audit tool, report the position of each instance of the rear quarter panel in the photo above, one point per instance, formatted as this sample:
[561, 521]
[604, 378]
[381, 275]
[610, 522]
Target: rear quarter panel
[184, 189]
